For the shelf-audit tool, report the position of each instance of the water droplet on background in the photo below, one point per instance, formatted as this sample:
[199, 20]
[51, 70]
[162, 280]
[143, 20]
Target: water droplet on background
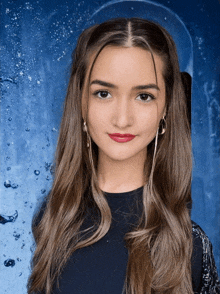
[6, 219]
[16, 235]
[47, 166]
[9, 262]
[14, 186]
[7, 184]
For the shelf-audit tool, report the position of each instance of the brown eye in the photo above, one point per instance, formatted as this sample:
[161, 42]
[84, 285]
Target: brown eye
[145, 97]
[102, 94]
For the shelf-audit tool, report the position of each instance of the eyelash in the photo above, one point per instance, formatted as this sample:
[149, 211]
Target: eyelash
[148, 95]
[96, 93]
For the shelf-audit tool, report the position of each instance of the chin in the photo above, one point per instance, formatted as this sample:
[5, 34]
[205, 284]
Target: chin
[120, 155]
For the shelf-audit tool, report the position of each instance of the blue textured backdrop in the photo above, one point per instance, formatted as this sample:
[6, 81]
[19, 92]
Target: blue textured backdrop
[37, 38]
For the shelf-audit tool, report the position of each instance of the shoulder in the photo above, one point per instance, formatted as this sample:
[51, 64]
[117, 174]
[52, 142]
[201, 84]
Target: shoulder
[203, 255]
[198, 232]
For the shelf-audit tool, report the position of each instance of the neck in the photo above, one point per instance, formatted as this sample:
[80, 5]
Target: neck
[121, 176]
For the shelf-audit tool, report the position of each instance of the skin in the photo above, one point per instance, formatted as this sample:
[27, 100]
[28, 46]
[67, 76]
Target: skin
[122, 108]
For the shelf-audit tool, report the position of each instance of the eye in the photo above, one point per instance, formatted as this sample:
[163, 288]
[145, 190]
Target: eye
[145, 97]
[102, 94]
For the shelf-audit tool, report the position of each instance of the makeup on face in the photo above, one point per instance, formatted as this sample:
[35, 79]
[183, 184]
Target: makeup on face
[126, 101]
[121, 138]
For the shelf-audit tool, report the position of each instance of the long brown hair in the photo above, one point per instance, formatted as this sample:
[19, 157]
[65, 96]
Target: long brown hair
[160, 247]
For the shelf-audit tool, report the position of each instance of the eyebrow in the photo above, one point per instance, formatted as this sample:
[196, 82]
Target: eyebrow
[110, 85]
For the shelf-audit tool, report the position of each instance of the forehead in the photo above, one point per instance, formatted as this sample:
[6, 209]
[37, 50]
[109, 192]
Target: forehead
[131, 63]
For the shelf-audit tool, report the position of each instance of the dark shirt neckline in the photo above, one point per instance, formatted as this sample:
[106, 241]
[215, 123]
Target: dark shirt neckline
[123, 194]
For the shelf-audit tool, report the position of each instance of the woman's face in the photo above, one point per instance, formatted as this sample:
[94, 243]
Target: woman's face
[125, 99]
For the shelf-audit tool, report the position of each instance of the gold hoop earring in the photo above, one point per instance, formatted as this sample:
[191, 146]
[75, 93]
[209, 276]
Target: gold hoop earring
[89, 146]
[162, 126]
[85, 129]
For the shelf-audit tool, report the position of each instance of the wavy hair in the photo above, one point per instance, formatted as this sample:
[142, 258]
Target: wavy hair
[160, 247]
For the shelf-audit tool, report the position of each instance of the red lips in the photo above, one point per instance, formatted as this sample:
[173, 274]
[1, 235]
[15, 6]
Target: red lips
[121, 138]
[122, 135]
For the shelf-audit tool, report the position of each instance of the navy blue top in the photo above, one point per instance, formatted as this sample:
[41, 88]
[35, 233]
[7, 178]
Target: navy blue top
[101, 267]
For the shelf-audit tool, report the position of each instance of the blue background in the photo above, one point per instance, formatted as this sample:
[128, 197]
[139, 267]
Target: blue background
[37, 39]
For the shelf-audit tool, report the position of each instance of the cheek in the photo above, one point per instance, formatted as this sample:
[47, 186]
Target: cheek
[149, 131]
[149, 121]
[96, 119]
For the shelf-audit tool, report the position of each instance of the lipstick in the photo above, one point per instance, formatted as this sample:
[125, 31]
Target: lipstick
[121, 138]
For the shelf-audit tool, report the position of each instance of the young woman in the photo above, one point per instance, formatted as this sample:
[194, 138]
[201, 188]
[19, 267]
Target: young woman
[117, 219]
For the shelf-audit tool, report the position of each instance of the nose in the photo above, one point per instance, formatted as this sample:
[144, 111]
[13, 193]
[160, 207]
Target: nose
[123, 114]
